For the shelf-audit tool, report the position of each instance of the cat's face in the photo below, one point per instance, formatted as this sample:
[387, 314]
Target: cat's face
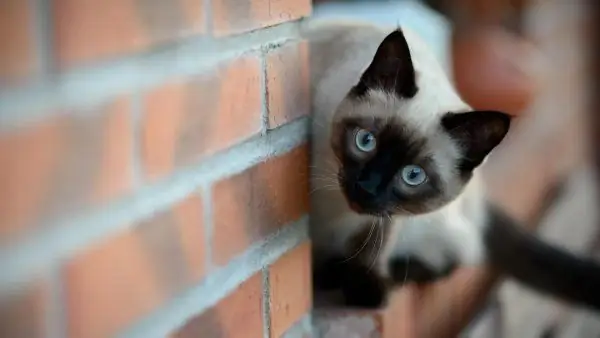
[405, 144]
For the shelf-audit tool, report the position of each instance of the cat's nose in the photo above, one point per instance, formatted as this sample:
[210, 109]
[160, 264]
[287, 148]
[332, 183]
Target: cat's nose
[365, 188]
[369, 184]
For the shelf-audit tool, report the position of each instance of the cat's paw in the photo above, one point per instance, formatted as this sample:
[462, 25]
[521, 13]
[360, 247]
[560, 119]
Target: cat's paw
[364, 288]
[406, 269]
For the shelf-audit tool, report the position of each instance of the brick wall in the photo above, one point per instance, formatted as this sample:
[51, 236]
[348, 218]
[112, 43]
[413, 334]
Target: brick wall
[154, 178]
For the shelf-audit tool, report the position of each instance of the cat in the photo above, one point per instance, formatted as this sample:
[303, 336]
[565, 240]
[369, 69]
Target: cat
[396, 190]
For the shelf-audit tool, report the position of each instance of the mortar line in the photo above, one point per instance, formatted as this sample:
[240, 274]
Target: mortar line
[266, 311]
[43, 39]
[90, 85]
[56, 311]
[265, 108]
[56, 242]
[220, 283]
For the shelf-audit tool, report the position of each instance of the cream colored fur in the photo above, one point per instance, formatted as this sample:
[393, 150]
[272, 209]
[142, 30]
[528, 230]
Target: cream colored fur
[340, 52]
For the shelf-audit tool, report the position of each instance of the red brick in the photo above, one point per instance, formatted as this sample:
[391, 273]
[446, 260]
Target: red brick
[258, 201]
[290, 289]
[186, 120]
[88, 30]
[237, 315]
[17, 58]
[236, 16]
[114, 170]
[288, 86]
[63, 165]
[22, 314]
[127, 276]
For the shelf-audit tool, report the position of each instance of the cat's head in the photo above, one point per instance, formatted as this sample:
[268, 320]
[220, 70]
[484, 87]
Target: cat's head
[406, 142]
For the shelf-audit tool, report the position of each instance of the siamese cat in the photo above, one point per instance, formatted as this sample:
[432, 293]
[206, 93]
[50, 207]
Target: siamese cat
[397, 194]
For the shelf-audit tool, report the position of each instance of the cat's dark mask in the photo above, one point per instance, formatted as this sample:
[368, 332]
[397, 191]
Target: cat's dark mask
[388, 166]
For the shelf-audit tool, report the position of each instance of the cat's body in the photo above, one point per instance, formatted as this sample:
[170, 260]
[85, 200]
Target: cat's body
[383, 91]
[333, 79]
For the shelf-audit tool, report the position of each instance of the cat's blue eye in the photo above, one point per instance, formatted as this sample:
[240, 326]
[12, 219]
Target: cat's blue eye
[365, 140]
[413, 175]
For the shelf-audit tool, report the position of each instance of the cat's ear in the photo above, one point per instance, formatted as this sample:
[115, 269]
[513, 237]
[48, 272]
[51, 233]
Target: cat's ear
[477, 132]
[391, 69]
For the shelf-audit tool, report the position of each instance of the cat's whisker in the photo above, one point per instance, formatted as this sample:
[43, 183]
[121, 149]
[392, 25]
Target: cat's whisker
[325, 179]
[318, 124]
[381, 242]
[327, 187]
[323, 173]
[366, 241]
[323, 170]
[332, 167]
[380, 236]
[336, 163]
[373, 251]
[402, 210]
[406, 271]
[324, 188]
[319, 167]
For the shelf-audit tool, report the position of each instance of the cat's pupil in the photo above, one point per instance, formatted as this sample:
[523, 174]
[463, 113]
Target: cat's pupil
[365, 140]
[413, 175]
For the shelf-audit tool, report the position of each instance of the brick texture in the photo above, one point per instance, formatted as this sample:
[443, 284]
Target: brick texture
[118, 281]
[237, 315]
[291, 289]
[115, 147]
[234, 16]
[16, 38]
[22, 314]
[63, 165]
[288, 87]
[256, 202]
[86, 30]
[186, 120]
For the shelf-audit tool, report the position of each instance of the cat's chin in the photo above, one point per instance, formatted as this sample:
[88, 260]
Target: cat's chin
[366, 212]
[379, 213]
[361, 210]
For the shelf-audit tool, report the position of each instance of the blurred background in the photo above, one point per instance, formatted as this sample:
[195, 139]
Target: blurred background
[146, 147]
